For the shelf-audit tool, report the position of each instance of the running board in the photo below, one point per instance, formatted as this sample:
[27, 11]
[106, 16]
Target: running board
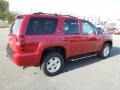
[84, 57]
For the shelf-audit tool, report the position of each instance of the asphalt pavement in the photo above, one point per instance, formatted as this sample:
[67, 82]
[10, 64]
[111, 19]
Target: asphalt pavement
[86, 74]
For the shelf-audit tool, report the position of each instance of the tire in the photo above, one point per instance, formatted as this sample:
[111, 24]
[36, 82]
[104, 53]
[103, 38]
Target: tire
[52, 64]
[105, 51]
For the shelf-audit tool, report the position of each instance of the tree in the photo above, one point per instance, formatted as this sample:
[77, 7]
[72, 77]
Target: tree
[11, 16]
[4, 6]
[4, 11]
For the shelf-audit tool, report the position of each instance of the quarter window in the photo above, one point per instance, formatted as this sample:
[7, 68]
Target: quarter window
[41, 26]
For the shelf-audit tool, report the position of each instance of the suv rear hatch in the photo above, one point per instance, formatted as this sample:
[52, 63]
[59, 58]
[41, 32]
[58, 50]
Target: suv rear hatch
[16, 41]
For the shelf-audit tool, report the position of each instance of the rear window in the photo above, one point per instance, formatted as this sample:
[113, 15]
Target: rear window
[41, 26]
[15, 26]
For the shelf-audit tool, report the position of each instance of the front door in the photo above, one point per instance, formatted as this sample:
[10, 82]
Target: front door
[90, 38]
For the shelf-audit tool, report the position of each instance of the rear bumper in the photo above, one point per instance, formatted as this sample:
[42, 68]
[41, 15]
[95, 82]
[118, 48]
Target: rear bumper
[24, 59]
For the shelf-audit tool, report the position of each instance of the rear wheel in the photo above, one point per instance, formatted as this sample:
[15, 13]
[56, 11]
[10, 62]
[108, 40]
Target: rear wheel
[53, 64]
[105, 52]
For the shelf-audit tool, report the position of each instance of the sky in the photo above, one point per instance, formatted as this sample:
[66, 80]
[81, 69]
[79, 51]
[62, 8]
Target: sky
[98, 8]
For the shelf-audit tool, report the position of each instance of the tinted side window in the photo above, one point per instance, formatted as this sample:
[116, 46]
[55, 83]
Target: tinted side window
[88, 28]
[41, 26]
[71, 27]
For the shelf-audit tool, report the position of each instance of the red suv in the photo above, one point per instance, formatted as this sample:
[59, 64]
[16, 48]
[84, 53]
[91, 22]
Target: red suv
[47, 40]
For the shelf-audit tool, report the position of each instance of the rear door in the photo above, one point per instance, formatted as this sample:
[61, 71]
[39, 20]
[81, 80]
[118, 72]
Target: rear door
[40, 29]
[72, 35]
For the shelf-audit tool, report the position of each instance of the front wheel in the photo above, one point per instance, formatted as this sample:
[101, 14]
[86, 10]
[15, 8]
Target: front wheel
[105, 52]
[53, 64]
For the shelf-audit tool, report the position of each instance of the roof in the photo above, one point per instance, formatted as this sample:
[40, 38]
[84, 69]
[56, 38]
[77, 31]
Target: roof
[48, 14]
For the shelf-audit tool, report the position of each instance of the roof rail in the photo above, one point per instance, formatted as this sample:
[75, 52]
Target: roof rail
[45, 13]
[70, 16]
[55, 14]
[39, 13]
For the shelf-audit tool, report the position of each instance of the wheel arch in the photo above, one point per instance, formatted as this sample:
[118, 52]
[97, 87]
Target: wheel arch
[59, 49]
[109, 42]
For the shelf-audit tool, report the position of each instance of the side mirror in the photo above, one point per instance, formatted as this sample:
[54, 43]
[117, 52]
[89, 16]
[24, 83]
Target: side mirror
[99, 30]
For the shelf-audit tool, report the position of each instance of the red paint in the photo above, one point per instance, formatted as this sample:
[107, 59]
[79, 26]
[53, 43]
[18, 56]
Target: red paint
[27, 50]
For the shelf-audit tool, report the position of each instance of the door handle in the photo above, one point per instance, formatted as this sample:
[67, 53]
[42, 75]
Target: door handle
[64, 39]
[91, 38]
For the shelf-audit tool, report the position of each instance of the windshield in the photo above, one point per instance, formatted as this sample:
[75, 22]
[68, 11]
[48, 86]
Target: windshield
[15, 26]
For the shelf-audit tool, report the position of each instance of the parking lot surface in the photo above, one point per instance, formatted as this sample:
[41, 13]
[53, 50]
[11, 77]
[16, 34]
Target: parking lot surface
[86, 74]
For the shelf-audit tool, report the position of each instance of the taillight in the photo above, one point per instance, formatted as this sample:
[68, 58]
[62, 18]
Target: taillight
[20, 42]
